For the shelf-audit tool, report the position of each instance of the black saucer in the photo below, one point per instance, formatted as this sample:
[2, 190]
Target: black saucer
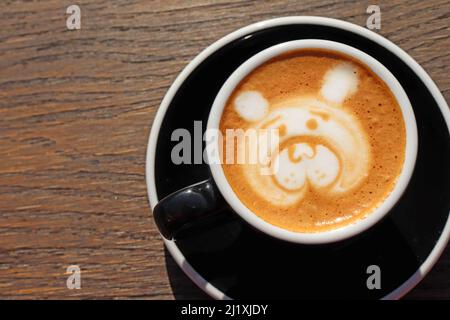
[243, 263]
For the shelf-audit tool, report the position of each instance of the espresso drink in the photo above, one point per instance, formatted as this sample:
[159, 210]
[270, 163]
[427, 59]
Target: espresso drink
[340, 147]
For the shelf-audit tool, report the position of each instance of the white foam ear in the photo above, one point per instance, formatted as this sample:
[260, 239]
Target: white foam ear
[251, 106]
[340, 82]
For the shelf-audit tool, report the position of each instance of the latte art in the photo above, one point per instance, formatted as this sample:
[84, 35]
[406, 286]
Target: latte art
[330, 166]
[321, 147]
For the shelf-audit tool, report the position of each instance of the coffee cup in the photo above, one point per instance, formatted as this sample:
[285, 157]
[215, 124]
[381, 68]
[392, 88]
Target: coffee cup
[205, 200]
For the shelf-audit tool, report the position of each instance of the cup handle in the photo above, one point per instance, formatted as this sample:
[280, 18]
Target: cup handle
[187, 207]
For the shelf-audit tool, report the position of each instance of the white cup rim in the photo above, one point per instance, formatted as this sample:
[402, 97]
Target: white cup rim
[358, 226]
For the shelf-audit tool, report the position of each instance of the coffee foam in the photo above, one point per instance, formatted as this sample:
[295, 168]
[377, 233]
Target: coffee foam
[340, 82]
[336, 157]
[331, 156]
[251, 106]
[301, 163]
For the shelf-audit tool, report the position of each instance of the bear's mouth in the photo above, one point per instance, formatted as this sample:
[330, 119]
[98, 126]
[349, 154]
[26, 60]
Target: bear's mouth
[319, 148]
[302, 152]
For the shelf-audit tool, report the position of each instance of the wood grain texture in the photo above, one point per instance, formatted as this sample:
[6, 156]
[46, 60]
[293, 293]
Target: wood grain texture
[76, 109]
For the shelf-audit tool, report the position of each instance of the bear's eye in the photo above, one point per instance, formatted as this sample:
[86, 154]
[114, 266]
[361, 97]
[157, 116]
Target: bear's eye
[312, 124]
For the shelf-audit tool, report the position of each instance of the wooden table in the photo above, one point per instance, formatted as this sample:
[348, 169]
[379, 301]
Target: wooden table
[76, 109]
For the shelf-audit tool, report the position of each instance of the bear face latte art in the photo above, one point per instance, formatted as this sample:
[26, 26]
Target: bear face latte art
[340, 143]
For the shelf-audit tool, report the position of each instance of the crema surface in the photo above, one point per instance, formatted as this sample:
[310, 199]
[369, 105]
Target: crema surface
[339, 147]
